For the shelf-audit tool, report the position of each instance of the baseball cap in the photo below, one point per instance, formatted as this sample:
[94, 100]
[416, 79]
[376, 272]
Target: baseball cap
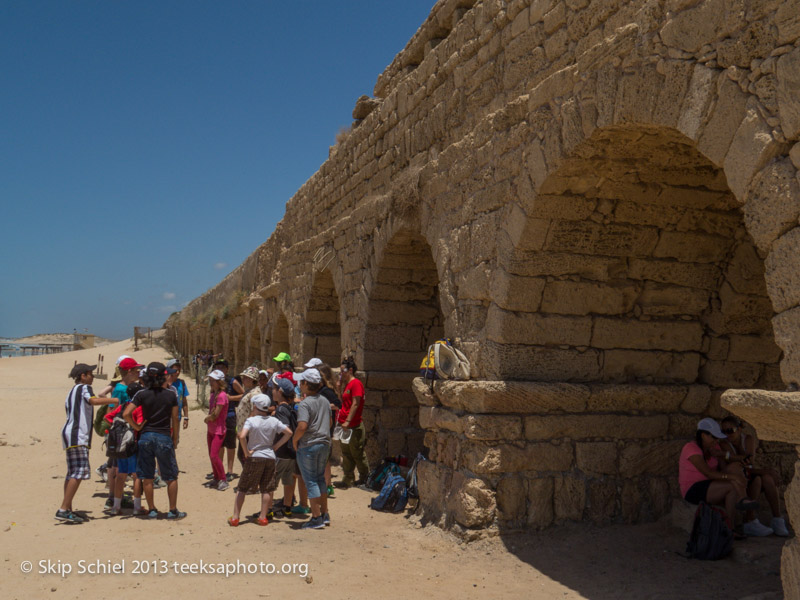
[129, 363]
[314, 362]
[121, 358]
[261, 401]
[711, 426]
[171, 363]
[216, 374]
[80, 369]
[282, 357]
[285, 385]
[220, 361]
[309, 375]
[154, 368]
[251, 373]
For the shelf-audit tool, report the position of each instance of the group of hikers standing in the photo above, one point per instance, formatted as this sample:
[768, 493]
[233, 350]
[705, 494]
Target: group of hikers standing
[280, 419]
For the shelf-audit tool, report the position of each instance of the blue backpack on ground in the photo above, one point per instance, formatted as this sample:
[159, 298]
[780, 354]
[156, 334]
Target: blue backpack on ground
[393, 496]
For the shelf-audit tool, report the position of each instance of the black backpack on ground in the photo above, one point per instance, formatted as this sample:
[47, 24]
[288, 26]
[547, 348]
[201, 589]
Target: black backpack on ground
[711, 538]
[121, 440]
[377, 477]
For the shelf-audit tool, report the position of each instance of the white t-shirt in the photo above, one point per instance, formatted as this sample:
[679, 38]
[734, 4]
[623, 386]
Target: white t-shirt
[262, 433]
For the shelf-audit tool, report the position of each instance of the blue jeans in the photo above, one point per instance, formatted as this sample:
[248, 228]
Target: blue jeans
[156, 446]
[311, 461]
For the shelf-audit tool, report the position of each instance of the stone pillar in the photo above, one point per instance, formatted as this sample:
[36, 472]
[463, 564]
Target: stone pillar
[776, 416]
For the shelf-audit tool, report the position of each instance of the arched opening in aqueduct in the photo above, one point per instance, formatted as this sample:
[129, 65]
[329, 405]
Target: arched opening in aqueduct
[322, 331]
[279, 341]
[404, 318]
[643, 286]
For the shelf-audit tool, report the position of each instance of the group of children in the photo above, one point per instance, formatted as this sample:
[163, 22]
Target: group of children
[281, 419]
[150, 400]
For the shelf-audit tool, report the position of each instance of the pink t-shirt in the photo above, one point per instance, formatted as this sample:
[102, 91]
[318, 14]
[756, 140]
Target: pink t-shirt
[217, 427]
[688, 474]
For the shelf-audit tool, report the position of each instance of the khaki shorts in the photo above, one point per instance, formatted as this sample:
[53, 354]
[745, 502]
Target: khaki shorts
[284, 471]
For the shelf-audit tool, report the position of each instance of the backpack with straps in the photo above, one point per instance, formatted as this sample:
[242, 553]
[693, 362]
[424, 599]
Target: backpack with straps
[393, 496]
[121, 440]
[711, 538]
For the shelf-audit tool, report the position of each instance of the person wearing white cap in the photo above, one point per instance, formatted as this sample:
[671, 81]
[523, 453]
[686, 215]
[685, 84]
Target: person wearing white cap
[312, 441]
[259, 440]
[313, 363]
[700, 476]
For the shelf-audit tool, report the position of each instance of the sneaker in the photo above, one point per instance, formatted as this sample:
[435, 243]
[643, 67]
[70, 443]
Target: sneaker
[152, 514]
[158, 483]
[102, 471]
[287, 511]
[210, 476]
[68, 516]
[138, 512]
[326, 519]
[270, 514]
[109, 503]
[222, 485]
[127, 502]
[115, 512]
[230, 476]
[300, 510]
[756, 529]
[330, 491]
[175, 514]
[779, 527]
[314, 523]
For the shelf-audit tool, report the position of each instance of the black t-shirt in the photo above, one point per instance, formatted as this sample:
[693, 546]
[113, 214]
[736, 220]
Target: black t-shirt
[156, 409]
[330, 396]
[286, 415]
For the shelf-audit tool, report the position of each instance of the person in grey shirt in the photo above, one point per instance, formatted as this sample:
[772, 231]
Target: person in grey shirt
[312, 440]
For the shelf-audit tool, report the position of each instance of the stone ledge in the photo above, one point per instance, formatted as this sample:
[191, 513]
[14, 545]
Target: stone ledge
[775, 415]
[536, 397]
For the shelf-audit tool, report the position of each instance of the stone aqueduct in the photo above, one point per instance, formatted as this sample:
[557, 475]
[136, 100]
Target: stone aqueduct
[598, 201]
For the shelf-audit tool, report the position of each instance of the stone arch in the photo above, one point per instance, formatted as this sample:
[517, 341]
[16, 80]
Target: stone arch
[321, 334]
[279, 340]
[403, 318]
[239, 346]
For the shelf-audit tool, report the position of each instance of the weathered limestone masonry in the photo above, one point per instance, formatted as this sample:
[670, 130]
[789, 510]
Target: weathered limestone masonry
[598, 201]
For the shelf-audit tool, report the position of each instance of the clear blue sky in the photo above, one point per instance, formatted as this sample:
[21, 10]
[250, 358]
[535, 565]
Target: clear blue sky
[147, 148]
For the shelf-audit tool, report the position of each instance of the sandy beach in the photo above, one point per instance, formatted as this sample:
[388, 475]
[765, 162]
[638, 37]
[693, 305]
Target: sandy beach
[364, 554]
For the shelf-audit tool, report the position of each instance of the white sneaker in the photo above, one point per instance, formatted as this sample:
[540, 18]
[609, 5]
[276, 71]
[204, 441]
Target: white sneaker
[756, 529]
[223, 485]
[779, 527]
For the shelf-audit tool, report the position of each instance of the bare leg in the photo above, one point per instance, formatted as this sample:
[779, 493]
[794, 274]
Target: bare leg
[172, 494]
[303, 492]
[288, 494]
[323, 502]
[266, 503]
[771, 492]
[148, 493]
[70, 487]
[238, 502]
[231, 455]
[724, 492]
[753, 492]
[119, 484]
[137, 486]
[328, 473]
[316, 508]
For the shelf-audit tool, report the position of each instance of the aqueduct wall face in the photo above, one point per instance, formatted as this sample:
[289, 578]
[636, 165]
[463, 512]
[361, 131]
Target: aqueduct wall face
[598, 201]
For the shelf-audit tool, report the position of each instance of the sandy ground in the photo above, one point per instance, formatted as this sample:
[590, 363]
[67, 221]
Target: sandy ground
[363, 554]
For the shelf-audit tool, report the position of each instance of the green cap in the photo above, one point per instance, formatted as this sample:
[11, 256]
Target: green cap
[282, 357]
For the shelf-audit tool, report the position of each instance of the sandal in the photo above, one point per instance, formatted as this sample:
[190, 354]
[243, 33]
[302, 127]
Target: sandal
[233, 522]
[263, 522]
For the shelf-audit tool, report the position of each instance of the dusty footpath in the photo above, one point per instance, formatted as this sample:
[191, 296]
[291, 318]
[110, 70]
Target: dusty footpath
[363, 554]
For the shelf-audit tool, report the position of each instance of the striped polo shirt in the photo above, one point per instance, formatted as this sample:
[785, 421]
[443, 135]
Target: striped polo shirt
[77, 430]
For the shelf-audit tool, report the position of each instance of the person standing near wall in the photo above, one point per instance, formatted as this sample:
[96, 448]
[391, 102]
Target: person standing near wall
[349, 418]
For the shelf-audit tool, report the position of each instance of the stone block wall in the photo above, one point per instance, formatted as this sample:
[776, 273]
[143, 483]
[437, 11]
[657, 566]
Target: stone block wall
[509, 455]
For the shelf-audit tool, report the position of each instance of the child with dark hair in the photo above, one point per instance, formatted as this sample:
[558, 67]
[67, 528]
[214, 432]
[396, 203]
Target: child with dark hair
[159, 437]
[76, 436]
[349, 418]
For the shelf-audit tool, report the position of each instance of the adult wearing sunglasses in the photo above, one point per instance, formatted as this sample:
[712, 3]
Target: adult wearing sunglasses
[739, 448]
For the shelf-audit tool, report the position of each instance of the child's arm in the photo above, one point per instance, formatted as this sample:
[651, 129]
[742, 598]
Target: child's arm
[243, 440]
[287, 435]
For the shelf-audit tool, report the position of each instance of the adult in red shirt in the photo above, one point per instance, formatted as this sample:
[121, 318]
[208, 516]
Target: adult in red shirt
[349, 418]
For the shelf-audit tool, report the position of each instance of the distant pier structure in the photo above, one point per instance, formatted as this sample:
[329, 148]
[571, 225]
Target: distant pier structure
[34, 349]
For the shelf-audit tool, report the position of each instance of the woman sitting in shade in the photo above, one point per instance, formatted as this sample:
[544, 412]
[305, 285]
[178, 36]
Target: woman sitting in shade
[740, 449]
[701, 476]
